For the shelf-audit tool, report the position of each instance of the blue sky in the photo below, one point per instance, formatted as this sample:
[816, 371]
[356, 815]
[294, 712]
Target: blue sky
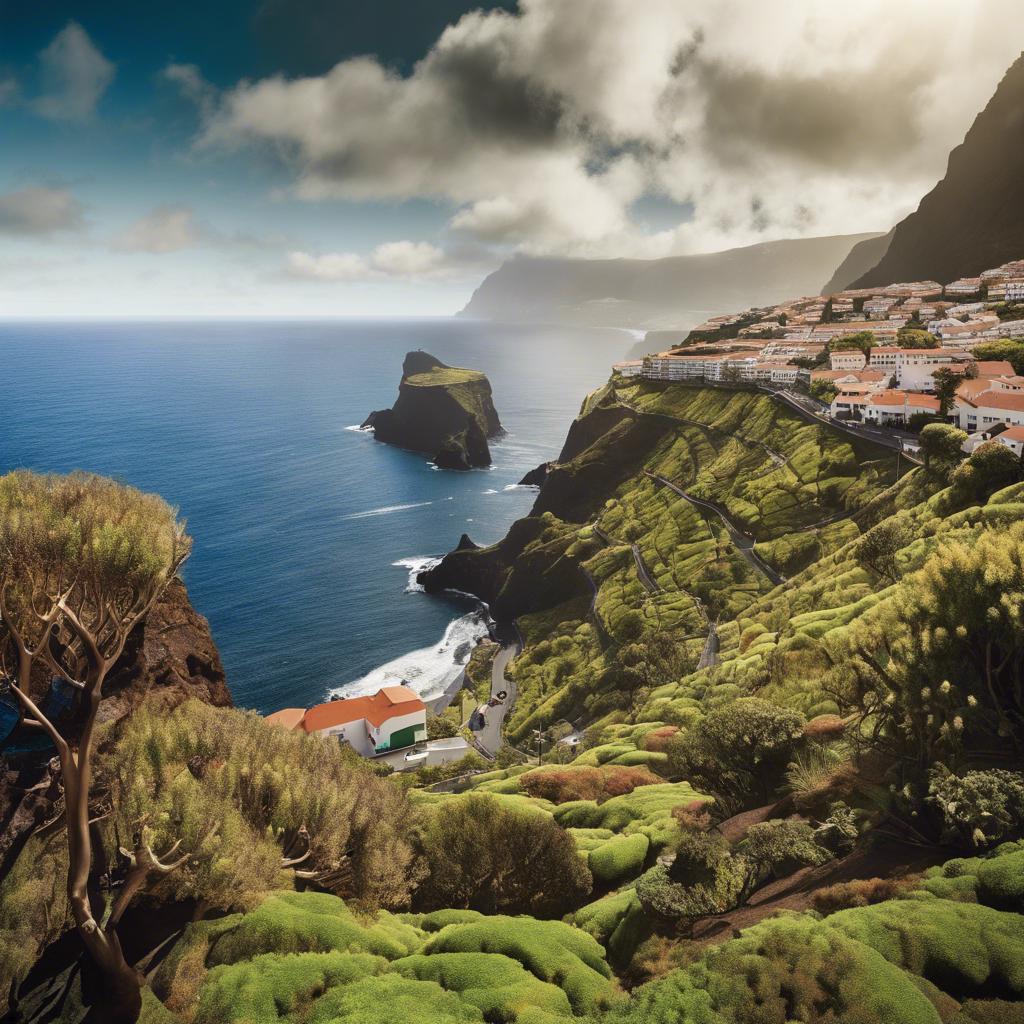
[330, 157]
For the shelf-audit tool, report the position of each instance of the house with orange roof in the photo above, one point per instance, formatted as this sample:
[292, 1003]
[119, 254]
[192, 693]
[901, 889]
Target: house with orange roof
[394, 717]
[984, 409]
[892, 407]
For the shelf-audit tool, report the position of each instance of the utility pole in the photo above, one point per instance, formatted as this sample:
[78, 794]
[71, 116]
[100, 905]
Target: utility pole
[540, 734]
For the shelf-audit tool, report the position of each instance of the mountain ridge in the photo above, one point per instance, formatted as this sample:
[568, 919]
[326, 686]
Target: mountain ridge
[974, 217]
[675, 291]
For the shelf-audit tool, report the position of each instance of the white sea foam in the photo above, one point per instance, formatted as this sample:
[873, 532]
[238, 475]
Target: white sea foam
[490, 490]
[516, 487]
[430, 670]
[360, 429]
[387, 510]
[416, 565]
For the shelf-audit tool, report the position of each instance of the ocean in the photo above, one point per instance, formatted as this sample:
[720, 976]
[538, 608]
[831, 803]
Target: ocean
[307, 532]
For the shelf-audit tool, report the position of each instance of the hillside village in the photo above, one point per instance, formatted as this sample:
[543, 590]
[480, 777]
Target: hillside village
[871, 355]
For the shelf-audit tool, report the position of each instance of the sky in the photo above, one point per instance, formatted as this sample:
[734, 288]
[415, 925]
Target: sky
[344, 158]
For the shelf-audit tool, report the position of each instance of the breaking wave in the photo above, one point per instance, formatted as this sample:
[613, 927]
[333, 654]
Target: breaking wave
[430, 670]
[416, 565]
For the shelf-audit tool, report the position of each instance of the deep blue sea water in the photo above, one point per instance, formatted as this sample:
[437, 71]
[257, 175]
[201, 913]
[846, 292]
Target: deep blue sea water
[306, 531]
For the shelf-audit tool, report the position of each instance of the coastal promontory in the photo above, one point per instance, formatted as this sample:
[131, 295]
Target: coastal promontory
[444, 411]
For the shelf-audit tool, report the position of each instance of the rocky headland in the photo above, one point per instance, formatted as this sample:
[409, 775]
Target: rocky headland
[444, 411]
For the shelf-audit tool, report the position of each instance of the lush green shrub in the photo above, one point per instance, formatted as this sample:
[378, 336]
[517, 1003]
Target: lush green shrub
[791, 969]
[618, 858]
[962, 947]
[499, 986]
[777, 848]
[978, 807]
[550, 950]
[391, 998]
[738, 748]
[483, 854]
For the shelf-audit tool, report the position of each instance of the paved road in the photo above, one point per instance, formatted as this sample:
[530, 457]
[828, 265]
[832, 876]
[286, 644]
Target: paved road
[709, 656]
[642, 571]
[489, 735]
[809, 408]
[743, 541]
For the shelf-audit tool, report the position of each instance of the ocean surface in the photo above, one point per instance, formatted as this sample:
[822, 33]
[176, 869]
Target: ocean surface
[307, 531]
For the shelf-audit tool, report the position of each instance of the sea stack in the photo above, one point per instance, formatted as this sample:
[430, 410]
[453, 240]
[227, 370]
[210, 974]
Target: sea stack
[443, 411]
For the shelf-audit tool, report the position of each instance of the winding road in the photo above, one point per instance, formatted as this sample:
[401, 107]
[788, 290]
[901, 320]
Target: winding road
[489, 735]
[743, 541]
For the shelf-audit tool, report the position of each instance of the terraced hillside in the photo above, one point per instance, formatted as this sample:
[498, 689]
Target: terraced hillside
[615, 555]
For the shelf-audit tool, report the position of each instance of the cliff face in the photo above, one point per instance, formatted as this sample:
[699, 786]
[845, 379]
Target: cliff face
[974, 218]
[676, 292]
[446, 412]
[860, 259]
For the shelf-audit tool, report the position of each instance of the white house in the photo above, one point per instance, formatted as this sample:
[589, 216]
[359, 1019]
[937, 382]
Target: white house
[851, 359]
[1012, 438]
[896, 407]
[983, 410]
[394, 717]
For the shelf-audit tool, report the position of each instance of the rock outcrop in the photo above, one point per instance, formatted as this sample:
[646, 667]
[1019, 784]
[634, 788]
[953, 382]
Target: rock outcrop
[444, 411]
[974, 217]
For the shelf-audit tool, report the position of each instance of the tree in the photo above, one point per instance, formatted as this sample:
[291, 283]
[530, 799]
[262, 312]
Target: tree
[824, 391]
[946, 383]
[990, 467]
[1008, 349]
[484, 856]
[879, 548]
[934, 671]
[912, 337]
[737, 749]
[941, 447]
[863, 340]
[82, 561]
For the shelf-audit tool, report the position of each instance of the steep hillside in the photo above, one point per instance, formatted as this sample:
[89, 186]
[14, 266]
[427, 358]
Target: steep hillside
[677, 292]
[444, 411]
[860, 259]
[974, 217]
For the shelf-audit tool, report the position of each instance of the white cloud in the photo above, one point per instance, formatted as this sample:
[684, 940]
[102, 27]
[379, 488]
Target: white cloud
[165, 229]
[39, 210]
[75, 76]
[395, 260]
[543, 127]
[9, 90]
[189, 81]
[329, 266]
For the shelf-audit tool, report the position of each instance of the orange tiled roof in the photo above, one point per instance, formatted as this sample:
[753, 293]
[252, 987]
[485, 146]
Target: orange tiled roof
[1010, 400]
[290, 718]
[389, 702]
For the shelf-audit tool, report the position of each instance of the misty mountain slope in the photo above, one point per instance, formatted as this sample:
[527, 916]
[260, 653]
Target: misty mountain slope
[860, 259]
[671, 292]
[974, 217]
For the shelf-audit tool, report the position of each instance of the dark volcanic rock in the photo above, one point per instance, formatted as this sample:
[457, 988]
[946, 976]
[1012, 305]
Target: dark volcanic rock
[974, 218]
[446, 412]
[537, 476]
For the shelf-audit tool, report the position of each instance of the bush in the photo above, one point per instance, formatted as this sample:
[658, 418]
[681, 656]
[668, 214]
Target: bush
[619, 858]
[737, 749]
[778, 848]
[963, 948]
[657, 740]
[861, 892]
[550, 950]
[979, 807]
[583, 782]
[485, 856]
[792, 969]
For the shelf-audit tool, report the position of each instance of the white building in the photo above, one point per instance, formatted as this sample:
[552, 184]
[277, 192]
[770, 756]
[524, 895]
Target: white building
[997, 405]
[896, 407]
[629, 368]
[851, 359]
[913, 367]
[393, 718]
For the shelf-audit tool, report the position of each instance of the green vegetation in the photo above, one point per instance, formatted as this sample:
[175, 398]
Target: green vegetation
[443, 377]
[859, 724]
